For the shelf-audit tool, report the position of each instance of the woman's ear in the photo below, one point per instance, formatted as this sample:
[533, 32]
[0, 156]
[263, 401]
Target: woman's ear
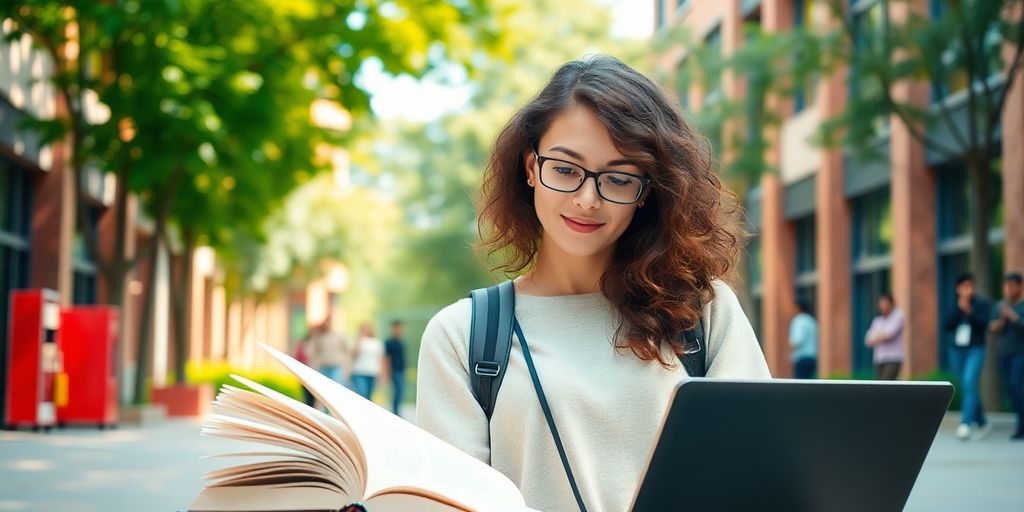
[530, 162]
[643, 197]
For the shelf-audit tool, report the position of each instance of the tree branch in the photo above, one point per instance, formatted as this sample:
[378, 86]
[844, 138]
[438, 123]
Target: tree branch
[851, 32]
[162, 211]
[1011, 76]
[972, 107]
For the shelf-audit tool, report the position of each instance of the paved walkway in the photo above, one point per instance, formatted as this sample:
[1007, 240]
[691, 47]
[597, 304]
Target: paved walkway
[158, 468]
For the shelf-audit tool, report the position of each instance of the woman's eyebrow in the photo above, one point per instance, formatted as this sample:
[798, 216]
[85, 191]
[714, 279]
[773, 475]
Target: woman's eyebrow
[577, 156]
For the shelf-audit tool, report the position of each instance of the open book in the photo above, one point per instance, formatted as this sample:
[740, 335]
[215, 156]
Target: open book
[360, 455]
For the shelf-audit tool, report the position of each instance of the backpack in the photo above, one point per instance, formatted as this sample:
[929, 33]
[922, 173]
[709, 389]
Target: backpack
[490, 343]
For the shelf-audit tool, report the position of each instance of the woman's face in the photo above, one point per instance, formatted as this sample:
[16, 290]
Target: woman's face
[580, 223]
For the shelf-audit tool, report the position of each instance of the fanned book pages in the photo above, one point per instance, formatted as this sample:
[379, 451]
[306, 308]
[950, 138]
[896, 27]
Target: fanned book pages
[360, 457]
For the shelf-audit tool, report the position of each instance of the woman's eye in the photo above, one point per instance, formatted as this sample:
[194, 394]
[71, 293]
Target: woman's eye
[619, 181]
[565, 170]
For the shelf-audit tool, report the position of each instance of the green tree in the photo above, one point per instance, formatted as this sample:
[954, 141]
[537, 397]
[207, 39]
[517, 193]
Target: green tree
[208, 100]
[959, 44]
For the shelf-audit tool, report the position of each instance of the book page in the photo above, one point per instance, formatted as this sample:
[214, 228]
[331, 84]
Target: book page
[400, 455]
[268, 498]
[342, 444]
[316, 441]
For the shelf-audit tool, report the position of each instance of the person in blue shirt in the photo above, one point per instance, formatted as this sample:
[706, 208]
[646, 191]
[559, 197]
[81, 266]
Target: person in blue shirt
[803, 337]
[968, 320]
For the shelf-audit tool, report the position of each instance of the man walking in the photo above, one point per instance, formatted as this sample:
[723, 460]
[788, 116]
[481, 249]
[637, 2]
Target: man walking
[1008, 326]
[967, 319]
[394, 350]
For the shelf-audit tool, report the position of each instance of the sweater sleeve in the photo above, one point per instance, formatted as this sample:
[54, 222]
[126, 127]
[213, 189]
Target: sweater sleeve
[733, 351]
[445, 405]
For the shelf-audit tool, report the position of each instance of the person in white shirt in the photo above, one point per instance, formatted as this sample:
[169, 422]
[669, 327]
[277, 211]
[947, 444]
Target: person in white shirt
[885, 336]
[367, 361]
[608, 208]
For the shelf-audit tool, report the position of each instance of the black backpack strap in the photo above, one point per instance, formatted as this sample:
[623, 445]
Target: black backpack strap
[490, 341]
[695, 351]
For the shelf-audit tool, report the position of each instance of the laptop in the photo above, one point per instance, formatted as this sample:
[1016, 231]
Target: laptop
[792, 445]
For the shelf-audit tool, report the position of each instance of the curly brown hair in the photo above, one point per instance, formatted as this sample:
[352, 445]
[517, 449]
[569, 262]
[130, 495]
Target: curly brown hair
[685, 236]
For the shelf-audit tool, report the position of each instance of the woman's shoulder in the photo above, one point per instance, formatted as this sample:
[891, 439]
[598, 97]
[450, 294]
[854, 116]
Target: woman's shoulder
[450, 326]
[724, 298]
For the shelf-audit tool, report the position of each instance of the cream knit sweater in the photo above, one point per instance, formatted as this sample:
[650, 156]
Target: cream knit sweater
[606, 403]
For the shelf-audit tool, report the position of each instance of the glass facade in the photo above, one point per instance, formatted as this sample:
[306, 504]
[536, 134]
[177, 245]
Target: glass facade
[872, 269]
[806, 239]
[15, 221]
[83, 268]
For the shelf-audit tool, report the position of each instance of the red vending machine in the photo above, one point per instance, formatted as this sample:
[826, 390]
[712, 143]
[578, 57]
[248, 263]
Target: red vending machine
[88, 340]
[33, 359]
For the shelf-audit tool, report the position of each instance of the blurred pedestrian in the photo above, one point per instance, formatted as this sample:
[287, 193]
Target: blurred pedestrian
[885, 336]
[367, 361]
[329, 351]
[302, 356]
[803, 338]
[967, 319]
[1008, 325]
[394, 349]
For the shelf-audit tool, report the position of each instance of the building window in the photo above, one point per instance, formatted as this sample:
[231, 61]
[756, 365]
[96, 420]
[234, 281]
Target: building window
[871, 20]
[806, 261]
[953, 68]
[954, 200]
[873, 227]
[15, 220]
[872, 269]
[83, 267]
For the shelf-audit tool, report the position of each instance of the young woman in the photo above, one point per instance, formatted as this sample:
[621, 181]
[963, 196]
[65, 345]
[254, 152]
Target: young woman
[609, 207]
[367, 361]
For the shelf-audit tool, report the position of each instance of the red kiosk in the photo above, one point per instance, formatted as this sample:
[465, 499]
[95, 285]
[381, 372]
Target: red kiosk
[33, 359]
[88, 339]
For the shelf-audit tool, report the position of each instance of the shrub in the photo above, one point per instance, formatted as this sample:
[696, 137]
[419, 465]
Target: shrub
[219, 374]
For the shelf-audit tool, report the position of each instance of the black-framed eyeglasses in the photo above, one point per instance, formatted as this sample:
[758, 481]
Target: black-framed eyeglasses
[614, 186]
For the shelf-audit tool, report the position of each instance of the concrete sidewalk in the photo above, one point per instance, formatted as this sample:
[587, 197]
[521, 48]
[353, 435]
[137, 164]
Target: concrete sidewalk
[975, 475]
[158, 468]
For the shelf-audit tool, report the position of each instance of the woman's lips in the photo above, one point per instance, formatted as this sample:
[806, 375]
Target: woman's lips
[581, 225]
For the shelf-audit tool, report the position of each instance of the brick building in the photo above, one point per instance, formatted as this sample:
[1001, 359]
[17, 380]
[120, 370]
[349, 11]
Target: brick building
[838, 230]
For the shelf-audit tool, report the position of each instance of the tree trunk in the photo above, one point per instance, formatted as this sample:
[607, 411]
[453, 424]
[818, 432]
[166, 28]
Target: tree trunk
[146, 330]
[181, 289]
[980, 184]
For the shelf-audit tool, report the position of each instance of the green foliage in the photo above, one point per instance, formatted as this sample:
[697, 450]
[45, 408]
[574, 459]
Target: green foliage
[209, 100]
[960, 45]
[202, 107]
[219, 374]
[771, 65]
[957, 44]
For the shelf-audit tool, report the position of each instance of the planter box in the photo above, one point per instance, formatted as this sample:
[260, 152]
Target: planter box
[184, 401]
[145, 415]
